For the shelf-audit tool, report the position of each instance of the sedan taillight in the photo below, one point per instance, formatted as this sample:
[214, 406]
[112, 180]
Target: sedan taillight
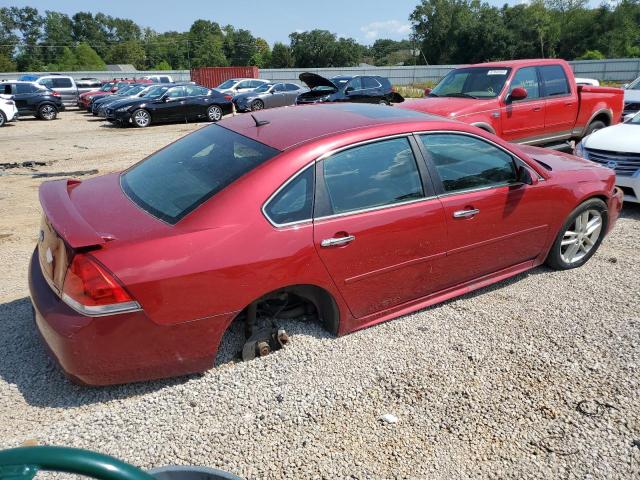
[91, 289]
[228, 97]
[55, 94]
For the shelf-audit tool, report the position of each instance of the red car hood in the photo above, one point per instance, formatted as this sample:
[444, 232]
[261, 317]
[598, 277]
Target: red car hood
[451, 107]
[558, 161]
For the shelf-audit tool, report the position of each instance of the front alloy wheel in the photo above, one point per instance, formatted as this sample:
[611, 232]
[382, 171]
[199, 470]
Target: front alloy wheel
[214, 113]
[141, 118]
[580, 236]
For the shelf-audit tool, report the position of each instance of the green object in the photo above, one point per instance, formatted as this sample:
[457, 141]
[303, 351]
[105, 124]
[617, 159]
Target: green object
[25, 462]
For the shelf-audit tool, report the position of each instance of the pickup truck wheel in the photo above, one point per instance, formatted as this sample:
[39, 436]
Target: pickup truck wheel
[594, 126]
[580, 236]
[47, 112]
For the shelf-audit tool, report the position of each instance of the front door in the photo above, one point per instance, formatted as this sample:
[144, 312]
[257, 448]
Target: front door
[378, 228]
[493, 221]
[171, 107]
[523, 120]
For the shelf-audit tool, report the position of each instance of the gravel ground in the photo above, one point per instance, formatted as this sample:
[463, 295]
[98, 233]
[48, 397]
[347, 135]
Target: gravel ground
[535, 377]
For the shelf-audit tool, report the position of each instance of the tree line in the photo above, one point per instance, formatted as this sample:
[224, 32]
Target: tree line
[444, 32]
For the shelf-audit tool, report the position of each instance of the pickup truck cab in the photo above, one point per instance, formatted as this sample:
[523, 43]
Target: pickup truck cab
[532, 102]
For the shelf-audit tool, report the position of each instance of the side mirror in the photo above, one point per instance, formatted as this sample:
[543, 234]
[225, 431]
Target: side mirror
[518, 93]
[427, 91]
[348, 90]
[526, 176]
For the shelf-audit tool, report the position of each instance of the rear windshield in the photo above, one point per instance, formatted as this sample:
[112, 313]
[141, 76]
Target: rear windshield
[176, 180]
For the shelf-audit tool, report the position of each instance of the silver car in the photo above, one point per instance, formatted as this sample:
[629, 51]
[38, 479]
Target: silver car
[234, 86]
[268, 95]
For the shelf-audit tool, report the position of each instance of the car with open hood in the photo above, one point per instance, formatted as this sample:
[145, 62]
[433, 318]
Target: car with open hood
[347, 88]
[343, 214]
[268, 95]
[171, 103]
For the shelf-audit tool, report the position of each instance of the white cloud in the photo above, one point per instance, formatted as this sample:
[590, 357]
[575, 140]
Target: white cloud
[387, 28]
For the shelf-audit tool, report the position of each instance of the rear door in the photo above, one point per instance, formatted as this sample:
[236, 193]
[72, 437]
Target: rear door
[378, 228]
[561, 104]
[278, 97]
[372, 89]
[523, 120]
[197, 101]
[291, 93]
[493, 222]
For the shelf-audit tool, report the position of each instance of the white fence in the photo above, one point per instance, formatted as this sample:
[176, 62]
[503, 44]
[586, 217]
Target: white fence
[618, 70]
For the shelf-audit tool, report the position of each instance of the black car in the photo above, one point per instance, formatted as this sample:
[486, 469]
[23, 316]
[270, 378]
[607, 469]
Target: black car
[171, 103]
[33, 100]
[345, 88]
[127, 91]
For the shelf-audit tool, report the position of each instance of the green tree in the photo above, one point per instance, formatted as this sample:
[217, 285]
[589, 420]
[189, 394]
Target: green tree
[206, 44]
[129, 52]
[592, 55]
[321, 48]
[163, 65]
[281, 56]
[58, 29]
[87, 58]
[6, 64]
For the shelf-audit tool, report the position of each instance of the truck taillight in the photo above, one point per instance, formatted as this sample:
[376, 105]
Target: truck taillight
[91, 289]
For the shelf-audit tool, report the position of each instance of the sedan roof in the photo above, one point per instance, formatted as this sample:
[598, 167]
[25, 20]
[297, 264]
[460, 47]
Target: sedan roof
[291, 126]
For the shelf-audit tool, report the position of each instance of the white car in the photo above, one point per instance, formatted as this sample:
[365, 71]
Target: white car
[159, 78]
[618, 148]
[632, 98]
[235, 86]
[8, 110]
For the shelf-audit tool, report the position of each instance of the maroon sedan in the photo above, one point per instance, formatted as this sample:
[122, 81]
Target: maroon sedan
[350, 214]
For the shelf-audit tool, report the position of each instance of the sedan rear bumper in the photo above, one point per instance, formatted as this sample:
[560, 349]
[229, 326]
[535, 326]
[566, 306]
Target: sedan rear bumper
[120, 348]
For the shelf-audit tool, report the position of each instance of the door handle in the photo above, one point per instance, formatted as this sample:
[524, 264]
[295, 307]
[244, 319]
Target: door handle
[537, 109]
[466, 213]
[332, 242]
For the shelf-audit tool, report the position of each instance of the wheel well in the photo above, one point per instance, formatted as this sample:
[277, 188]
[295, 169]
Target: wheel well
[484, 126]
[311, 297]
[602, 117]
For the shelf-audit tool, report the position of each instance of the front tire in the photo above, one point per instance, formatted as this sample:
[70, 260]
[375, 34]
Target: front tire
[141, 118]
[214, 113]
[257, 105]
[580, 236]
[47, 112]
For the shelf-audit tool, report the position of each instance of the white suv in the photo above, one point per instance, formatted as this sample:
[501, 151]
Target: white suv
[8, 110]
[618, 148]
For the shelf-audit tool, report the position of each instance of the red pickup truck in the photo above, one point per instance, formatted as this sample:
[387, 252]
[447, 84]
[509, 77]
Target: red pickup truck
[531, 102]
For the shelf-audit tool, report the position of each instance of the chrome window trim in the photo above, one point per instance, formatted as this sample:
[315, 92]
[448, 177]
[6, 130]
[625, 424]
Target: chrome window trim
[376, 208]
[479, 137]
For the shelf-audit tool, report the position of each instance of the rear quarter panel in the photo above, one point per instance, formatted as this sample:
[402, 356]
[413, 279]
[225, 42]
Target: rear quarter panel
[597, 100]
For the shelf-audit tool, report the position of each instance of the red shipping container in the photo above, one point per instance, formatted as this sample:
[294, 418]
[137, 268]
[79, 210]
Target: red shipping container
[211, 77]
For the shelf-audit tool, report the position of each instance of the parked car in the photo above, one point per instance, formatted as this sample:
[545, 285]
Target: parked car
[128, 91]
[617, 147]
[33, 99]
[159, 78]
[235, 86]
[268, 95]
[171, 103]
[88, 84]
[358, 89]
[62, 84]
[8, 110]
[533, 102]
[354, 215]
[632, 98]
[85, 99]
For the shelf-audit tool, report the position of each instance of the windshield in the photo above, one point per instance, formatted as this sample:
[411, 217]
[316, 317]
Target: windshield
[135, 90]
[227, 84]
[635, 85]
[155, 92]
[263, 88]
[477, 82]
[106, 87]
[124, 90]
[176, 180]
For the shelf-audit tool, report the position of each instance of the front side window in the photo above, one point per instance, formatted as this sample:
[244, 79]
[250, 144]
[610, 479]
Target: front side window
[372, 175]
[62, 83]
[196, 91]
[554, 80]
[465, 162]
[245, 84]
[177, 92]
[279, 87]
[174, 181]
[294, 203]
[527, 78]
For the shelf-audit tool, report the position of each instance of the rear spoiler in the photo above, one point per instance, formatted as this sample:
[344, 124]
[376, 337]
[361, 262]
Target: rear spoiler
[63, 216]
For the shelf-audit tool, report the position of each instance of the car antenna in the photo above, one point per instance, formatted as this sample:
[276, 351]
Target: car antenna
[260, 123]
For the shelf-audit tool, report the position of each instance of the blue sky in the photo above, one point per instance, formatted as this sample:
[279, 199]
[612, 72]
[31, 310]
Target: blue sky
[273, 20]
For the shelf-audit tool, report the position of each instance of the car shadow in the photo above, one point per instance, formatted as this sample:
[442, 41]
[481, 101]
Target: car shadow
[631, 210]
[26, 364]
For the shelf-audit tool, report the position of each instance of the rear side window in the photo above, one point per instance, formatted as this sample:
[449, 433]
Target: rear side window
[294, 203]
[176, 180]
[554, 80]
[195, 91]
[279, 87]
[372, 175]
[370, 82]
[62, 83]
[465, 162]
[164, 80]
[245, 84]
[25, 88]
[291, 87]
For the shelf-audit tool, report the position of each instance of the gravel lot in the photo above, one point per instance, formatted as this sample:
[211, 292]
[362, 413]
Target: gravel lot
[535, 377]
